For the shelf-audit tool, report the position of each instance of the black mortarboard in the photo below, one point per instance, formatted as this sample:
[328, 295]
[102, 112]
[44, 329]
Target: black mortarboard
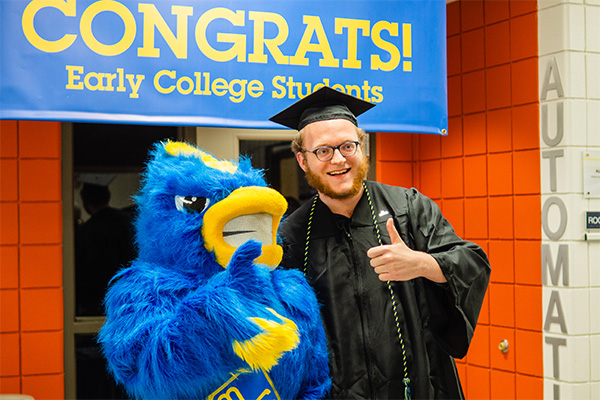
[324, 104]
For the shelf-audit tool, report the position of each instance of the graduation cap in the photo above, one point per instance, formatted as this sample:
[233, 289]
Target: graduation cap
[322, 105]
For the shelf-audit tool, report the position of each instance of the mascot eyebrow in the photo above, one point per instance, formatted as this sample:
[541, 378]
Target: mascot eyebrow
[181, 148]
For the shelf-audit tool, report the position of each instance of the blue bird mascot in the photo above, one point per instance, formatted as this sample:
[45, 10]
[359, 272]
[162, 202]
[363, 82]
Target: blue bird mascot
[204, 312]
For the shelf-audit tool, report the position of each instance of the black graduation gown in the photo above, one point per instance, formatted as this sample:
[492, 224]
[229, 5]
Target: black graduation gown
[436, 321]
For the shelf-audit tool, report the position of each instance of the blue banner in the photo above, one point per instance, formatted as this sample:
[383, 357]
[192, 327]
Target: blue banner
[222, 63]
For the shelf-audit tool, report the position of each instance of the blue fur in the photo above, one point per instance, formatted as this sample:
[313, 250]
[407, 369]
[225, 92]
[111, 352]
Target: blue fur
[173, 315]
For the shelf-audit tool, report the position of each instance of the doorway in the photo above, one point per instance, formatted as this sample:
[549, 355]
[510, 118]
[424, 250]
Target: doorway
[114, 156]
[101, 170]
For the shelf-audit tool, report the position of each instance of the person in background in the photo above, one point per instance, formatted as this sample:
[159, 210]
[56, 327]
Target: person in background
[400, 291]
[103, 245]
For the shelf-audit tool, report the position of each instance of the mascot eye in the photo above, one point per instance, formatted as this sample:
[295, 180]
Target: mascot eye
[191, 203]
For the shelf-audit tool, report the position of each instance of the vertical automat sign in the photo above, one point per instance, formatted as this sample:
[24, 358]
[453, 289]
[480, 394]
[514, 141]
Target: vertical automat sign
[555, 259]
[222, 63]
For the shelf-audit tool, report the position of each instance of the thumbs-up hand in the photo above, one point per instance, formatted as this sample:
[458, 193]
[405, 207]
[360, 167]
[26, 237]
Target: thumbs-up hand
[398, 262]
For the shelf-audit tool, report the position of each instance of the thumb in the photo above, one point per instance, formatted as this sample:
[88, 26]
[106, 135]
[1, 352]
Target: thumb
[394, 235]
[245, 254]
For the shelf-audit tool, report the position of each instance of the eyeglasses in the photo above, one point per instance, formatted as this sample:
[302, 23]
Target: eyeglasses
[325, 153]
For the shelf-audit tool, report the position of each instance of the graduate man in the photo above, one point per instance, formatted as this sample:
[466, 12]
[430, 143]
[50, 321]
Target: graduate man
[400, 291]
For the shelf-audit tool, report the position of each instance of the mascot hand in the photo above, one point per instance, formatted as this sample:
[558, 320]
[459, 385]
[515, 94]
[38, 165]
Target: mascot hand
[242, 272]
[245, 254]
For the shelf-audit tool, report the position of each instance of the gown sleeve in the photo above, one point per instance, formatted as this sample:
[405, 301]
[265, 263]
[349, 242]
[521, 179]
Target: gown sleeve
[454, 307]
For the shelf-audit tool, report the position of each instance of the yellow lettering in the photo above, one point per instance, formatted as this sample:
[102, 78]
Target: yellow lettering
[67, 7]
[276, 82]
[377, 93]
[407, 46]
[286, 87]
[109, 80]
[320, 85]
[376, 62]
[290, 84]
[366, 88]
[153, 19]
[134, 84]
[88, 36]
[258, 56]
[197, 90]
[238, 48]
[353, 25]
[160, 74]
[72, 77]
[188, 82]
[314, 26]
[121, 73]
[353, 90]
[227, 395]
[206, 83]
[237, 95]
[265, 392]
[93, 75]
[339, 87]
[219, 87]
[255, 88]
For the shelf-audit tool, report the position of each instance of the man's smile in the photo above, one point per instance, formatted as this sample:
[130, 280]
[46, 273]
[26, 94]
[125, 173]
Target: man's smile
[340, 172]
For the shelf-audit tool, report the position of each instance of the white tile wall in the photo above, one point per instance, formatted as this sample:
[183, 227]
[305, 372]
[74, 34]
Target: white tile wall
[575, 305]
[593, 75]
[595, 314]
[576, 367]
[542, 4]
[569, 168]
[593, 122]
[575, 122]
[575, 206]
[571, 69]
[561, 27]
[568, 391]
[594, 204]
[594, 257]
[578, 264]
[595, 388]
[569, 30]
[595, 359]
[592, 28]
[574, 360]
[575, 128]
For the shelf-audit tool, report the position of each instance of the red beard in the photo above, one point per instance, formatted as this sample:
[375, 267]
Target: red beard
[325, 189]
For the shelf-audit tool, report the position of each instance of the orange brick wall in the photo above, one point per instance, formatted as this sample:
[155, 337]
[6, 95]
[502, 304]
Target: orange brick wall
[485, 176]
[31, 299]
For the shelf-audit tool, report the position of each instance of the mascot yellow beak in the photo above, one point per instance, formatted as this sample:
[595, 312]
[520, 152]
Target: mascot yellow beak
[247, 213]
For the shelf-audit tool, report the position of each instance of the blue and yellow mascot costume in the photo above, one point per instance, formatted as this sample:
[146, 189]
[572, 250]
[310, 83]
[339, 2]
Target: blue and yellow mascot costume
[204, 312]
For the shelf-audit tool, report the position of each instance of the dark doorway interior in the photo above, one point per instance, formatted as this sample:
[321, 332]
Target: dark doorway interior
[114, 156]
[107, 162]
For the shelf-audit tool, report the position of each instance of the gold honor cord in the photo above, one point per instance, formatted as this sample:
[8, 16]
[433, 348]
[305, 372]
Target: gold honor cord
[406, 379]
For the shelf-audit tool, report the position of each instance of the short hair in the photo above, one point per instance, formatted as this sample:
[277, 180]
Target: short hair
[96, 195]
[298, 141]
